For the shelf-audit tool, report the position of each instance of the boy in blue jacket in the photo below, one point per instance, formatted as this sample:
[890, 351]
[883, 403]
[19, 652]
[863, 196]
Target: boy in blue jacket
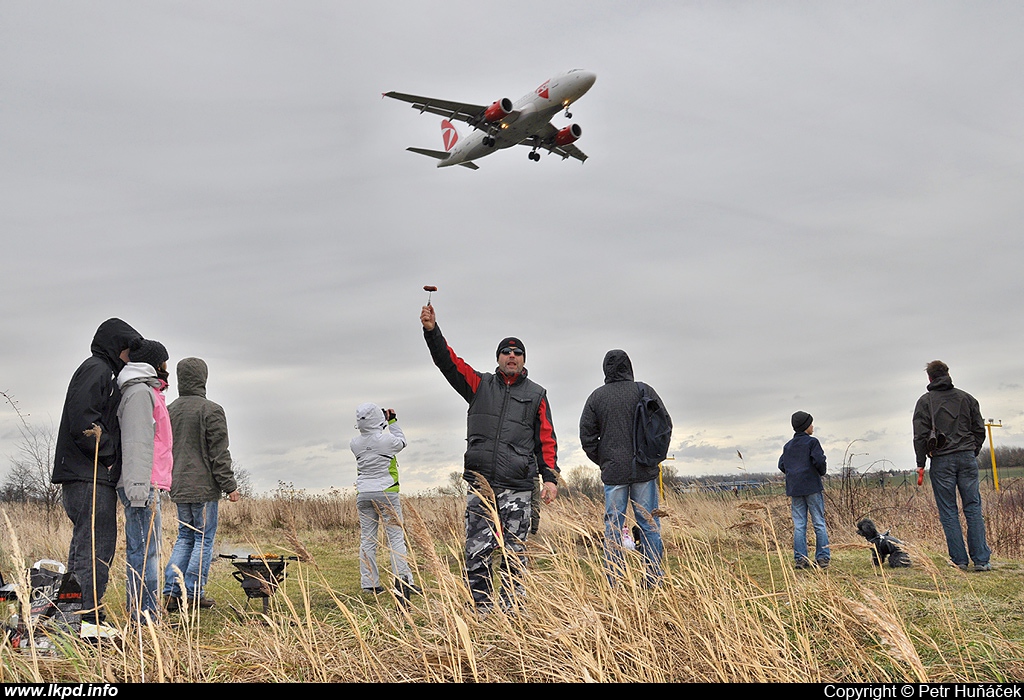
[803, 463]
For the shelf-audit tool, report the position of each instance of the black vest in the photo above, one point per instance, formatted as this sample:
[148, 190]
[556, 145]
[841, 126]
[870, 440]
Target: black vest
[503, 432]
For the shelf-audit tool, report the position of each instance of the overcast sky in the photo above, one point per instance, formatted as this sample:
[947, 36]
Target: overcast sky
[786, 206]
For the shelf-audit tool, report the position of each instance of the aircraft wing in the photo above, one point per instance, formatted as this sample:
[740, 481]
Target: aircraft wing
[546, 140]
[471, 114]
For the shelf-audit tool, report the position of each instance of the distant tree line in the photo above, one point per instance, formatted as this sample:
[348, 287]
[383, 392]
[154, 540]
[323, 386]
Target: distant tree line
[1006, 458]
[28, 477]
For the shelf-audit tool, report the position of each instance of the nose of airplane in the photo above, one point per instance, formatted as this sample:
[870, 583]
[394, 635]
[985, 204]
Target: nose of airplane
[586, 79]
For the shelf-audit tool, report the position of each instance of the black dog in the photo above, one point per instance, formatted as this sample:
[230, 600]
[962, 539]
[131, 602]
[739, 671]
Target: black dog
[884, 546]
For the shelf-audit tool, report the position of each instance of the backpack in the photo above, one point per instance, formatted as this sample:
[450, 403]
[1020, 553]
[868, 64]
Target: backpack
[652, 430]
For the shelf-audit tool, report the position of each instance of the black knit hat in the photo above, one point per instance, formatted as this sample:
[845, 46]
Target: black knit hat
[510, 343]
[152, 352]
[802, 421]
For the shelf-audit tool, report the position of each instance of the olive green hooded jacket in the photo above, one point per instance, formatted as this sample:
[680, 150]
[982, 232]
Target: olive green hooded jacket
[202, 463]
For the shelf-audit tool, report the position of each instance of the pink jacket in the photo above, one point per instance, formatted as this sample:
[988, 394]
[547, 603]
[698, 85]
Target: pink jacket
[146, 457]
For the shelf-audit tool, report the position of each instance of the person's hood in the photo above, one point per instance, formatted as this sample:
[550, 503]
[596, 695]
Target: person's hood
[192, 375]
[617, 367]
[135, 372]
[370, 418]
[113, 336]
[943, 383]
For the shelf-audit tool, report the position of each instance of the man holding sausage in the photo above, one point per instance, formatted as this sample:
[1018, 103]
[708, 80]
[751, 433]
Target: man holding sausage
[510, 440]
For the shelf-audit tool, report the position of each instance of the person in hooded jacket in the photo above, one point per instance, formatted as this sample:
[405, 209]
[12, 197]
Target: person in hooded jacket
[378, 500]
[88, 468]
[606, 435]
[202, 472]
[146, 464]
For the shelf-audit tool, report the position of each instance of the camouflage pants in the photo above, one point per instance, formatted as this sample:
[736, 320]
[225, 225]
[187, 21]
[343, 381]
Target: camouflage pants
[508, 536]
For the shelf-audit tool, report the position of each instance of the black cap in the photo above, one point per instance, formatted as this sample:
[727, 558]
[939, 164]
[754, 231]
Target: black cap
[510, 343]
[802, 421]
[152, 352]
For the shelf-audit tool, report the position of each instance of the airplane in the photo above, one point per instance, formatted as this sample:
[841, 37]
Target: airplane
[504, 124]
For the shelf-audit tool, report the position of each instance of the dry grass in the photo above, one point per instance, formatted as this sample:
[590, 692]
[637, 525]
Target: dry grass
[731, 608]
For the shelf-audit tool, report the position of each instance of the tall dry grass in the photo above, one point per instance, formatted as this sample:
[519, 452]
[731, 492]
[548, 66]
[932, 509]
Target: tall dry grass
[731, 607]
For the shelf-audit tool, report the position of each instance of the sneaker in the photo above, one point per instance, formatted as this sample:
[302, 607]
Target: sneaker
[206, 603]
[823, 563]
[100, 630]
[962, 567]
[172, 603]
[375, 590]
[982, 567]
[801, 564]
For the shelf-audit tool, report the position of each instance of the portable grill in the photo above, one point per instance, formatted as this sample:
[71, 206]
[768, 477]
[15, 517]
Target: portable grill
[259, 574]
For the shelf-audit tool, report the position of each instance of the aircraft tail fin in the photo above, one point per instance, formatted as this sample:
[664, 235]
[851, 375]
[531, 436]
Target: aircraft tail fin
[449, 134]
[441, 155]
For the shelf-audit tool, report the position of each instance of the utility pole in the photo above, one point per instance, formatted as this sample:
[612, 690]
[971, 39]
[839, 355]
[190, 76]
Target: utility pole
[989, 424]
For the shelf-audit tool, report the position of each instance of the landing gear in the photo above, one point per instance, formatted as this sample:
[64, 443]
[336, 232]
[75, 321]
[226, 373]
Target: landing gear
[533, 155]
[568, 114]
[489, 140]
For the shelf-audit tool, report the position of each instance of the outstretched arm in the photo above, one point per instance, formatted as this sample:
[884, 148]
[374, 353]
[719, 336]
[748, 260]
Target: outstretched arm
[463, 378]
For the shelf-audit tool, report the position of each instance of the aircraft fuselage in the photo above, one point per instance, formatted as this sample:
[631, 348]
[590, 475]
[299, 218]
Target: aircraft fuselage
[529, 113]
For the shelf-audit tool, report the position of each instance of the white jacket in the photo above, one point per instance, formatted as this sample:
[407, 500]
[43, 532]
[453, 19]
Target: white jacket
[375, 450]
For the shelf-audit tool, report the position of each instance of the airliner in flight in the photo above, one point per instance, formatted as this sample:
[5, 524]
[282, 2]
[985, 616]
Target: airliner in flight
[505, 124]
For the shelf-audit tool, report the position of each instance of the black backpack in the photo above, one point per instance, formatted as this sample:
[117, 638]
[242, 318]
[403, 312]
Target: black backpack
[652, 430]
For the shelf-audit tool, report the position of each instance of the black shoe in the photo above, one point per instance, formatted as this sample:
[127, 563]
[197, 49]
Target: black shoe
[405, 589]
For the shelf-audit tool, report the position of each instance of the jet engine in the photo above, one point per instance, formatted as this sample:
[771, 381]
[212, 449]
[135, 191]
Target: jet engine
[497, 111]
[567, 135]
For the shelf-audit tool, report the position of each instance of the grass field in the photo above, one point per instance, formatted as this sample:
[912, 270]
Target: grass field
[731, 608]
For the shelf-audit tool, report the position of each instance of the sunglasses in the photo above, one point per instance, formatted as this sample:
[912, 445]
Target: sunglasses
[518, 352]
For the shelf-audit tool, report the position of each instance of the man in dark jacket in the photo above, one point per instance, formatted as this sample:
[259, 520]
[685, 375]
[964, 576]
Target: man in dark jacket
[803, 463]
[606, 433]
[510, 438]
[202, 472]
[88, 472]
[956, 416]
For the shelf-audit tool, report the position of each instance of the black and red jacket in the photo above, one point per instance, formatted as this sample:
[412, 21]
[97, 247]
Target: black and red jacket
[509, 431]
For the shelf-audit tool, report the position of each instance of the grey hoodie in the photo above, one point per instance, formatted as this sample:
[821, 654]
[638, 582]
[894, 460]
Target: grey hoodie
[138, 430]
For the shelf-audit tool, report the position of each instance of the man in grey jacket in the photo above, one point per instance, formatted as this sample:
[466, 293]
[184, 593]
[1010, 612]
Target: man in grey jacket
[202, 472]
[956, 417]
[606, 434]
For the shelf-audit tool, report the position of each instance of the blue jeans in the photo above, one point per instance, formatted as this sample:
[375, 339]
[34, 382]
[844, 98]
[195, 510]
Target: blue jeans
[193, 550]
[949, 474]
[644, 497]
[142, 534]
[814, 505]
